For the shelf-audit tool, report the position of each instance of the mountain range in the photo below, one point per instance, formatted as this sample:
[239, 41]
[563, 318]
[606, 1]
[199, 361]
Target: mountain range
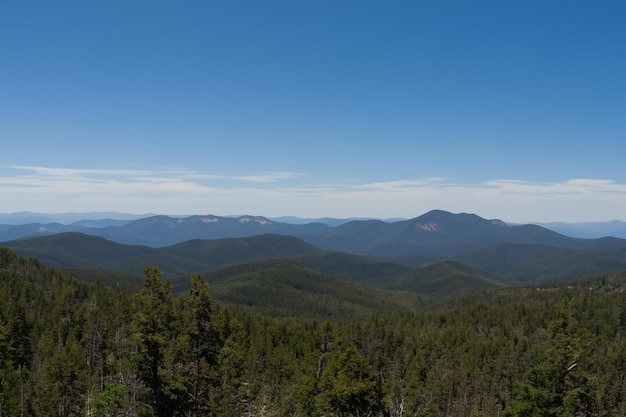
[434, 255]
[436, 233]
[589, 230]
[41, 223]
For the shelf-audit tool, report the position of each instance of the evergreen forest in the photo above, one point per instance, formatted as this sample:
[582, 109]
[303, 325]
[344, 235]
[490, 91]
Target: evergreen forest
[75, 348]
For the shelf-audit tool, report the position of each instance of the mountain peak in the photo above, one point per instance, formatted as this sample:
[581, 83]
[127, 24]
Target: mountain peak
[439, 217]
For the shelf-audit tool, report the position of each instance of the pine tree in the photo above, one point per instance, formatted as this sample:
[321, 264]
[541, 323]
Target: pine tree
[153, 314]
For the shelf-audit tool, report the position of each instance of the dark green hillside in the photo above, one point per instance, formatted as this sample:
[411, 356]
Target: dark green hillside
[218, 253]
[76, 251]
[590, 263]
[530, 264]
[283, 288]
[30, 272]
[79, 251]
[84, 255]
[444, 280]
[353, 268]
[108, 277]
[409, 261]
[515, 263]
[223, 252]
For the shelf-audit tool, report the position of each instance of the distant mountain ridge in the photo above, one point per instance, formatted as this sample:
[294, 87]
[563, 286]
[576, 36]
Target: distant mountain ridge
[589, 230]
[442, 234]
[26, 217]
[161, 230]
[45, 223]
[438, 233]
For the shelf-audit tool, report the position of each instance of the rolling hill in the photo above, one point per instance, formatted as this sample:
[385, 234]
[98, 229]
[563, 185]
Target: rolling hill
[75, 251]
[444, 280]
[284, 288]
[88, 256]
[530, 264]
[221, 252]
[79, 251]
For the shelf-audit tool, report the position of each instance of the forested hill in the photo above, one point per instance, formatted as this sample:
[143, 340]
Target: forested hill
[70, 348]
[88, 256]
[284, 288]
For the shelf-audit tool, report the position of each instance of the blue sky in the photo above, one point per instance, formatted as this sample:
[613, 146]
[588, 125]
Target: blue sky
[507, 109]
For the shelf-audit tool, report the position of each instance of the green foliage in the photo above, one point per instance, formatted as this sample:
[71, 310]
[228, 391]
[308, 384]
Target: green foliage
[110, 401]
[153, 315]
[70, 348]
[526, 264]
[443, 281]
[353, 268]
[347, 386]
[558, 385]
[283, 288]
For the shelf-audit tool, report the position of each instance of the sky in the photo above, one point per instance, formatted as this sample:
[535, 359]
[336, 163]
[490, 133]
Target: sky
[507, 109]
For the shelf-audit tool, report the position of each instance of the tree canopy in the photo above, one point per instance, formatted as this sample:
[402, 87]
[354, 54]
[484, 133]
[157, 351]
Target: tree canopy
[69, 348]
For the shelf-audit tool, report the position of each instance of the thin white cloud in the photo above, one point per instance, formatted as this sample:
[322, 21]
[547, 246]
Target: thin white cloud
[268, 177]
[573, 187]
[179, 191]
[78, 172]
[37, 176]
[397, 185]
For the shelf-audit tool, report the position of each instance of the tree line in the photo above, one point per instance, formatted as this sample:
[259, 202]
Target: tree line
[69, 348]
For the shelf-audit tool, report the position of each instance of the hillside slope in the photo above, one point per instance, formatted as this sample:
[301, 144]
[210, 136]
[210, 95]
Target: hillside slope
[531, 264]
[83, 253]
[284, 288]
[79, 251]
[444, 280]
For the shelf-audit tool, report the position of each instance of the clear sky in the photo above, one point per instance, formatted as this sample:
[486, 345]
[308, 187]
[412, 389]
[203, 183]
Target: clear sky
[507, 109]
